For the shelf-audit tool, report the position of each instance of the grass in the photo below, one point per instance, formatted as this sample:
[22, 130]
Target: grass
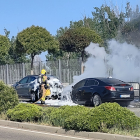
[134, 133]
[3, 116]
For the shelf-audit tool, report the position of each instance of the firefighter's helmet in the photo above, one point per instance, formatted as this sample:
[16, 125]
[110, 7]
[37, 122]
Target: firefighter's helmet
[43, 71]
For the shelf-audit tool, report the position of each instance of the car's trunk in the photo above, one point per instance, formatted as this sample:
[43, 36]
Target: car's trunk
[122, 87]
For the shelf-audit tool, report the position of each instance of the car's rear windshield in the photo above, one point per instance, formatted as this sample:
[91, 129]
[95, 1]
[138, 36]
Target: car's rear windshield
[112, 81]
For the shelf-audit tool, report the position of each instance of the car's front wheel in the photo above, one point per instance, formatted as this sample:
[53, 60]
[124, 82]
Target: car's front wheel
[33, 97]
[96, 100]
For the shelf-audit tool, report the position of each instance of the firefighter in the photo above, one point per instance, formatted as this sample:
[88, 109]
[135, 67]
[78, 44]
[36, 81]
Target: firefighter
[45, 91]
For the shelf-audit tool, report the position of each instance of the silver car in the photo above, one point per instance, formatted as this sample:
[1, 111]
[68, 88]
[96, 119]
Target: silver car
[28, 87]
[25, 87]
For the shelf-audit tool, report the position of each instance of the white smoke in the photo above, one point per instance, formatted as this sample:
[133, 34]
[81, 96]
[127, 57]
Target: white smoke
[121, 62]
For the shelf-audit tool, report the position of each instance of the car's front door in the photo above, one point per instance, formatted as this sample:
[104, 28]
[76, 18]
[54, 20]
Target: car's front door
[30, 85]
[89, 89]
[27, 88]
[21, 87]
[77, 92]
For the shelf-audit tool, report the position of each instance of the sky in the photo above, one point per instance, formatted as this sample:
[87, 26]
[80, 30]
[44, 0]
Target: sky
[17, 15]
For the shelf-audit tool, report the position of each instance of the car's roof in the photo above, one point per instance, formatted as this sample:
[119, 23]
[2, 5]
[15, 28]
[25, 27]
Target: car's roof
[32, 75]
[108, 80]
[102, 78]
[38, 75]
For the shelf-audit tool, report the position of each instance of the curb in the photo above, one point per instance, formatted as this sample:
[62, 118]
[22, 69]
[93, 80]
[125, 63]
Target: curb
[59, 130]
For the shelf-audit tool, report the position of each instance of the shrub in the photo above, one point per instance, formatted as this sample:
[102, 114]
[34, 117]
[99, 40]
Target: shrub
[47, 114]
[8, 97]
[77, 122]
[57, 116]
[104, 117]
[25, 112]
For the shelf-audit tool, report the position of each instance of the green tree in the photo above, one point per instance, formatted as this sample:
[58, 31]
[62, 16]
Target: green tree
[76, 40]
[86, 22]
[130, 30]
[107, 21]
[4, 48]
[131, 33]
[13, 57]
[62, 54]
[128, 13]
[61, 31]
[34, 40]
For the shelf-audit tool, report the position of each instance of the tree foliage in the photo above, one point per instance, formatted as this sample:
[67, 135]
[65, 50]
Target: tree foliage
[15, 57]
[107, 21]
[130, 30]
[34, 40]
[4, 48]
[76, 40]
[12, 56]
[86, 22]
[61, 31]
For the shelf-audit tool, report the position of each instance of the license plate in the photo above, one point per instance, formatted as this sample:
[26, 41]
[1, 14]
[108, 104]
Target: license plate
[124, 96]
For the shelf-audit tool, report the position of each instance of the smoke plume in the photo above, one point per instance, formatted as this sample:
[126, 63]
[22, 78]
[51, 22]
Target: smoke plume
[121, 62]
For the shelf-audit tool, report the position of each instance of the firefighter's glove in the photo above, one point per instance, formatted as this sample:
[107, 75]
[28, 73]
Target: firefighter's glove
[45, 86]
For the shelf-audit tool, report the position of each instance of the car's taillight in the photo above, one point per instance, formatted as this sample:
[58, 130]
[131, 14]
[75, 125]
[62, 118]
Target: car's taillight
[110, 88]
[131, 89]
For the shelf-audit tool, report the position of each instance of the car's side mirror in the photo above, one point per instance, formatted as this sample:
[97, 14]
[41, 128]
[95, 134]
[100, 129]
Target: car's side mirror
[17, 83]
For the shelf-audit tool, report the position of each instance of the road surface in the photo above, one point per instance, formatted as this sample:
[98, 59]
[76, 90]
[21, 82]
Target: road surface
[8, 133]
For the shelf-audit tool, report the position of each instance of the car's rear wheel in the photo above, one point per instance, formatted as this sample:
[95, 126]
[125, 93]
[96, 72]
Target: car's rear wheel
[127, 103]
[124, 103]
[96, 100]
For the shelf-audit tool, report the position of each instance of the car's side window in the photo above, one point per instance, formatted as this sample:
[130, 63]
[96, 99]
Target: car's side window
[96, 83]
[90, 83]
[80, 84]
[24, 80]
[31, 78]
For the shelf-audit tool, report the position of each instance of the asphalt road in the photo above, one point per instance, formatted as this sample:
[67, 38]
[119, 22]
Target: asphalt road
[8, 133]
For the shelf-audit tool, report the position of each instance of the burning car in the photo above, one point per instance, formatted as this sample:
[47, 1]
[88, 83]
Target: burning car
[28, 87]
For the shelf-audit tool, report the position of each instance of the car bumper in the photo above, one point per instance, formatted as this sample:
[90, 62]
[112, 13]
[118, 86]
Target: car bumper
[115, 96]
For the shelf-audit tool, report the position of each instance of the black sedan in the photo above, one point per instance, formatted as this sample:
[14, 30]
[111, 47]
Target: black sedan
[98, 90]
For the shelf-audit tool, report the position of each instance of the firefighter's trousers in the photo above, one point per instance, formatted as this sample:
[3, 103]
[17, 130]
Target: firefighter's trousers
[44, 92]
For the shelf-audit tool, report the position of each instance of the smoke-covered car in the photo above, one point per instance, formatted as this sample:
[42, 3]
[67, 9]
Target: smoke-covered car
[95, 91]
[28, 87]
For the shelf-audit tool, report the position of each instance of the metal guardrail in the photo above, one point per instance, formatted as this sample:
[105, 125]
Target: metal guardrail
[136, 87]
